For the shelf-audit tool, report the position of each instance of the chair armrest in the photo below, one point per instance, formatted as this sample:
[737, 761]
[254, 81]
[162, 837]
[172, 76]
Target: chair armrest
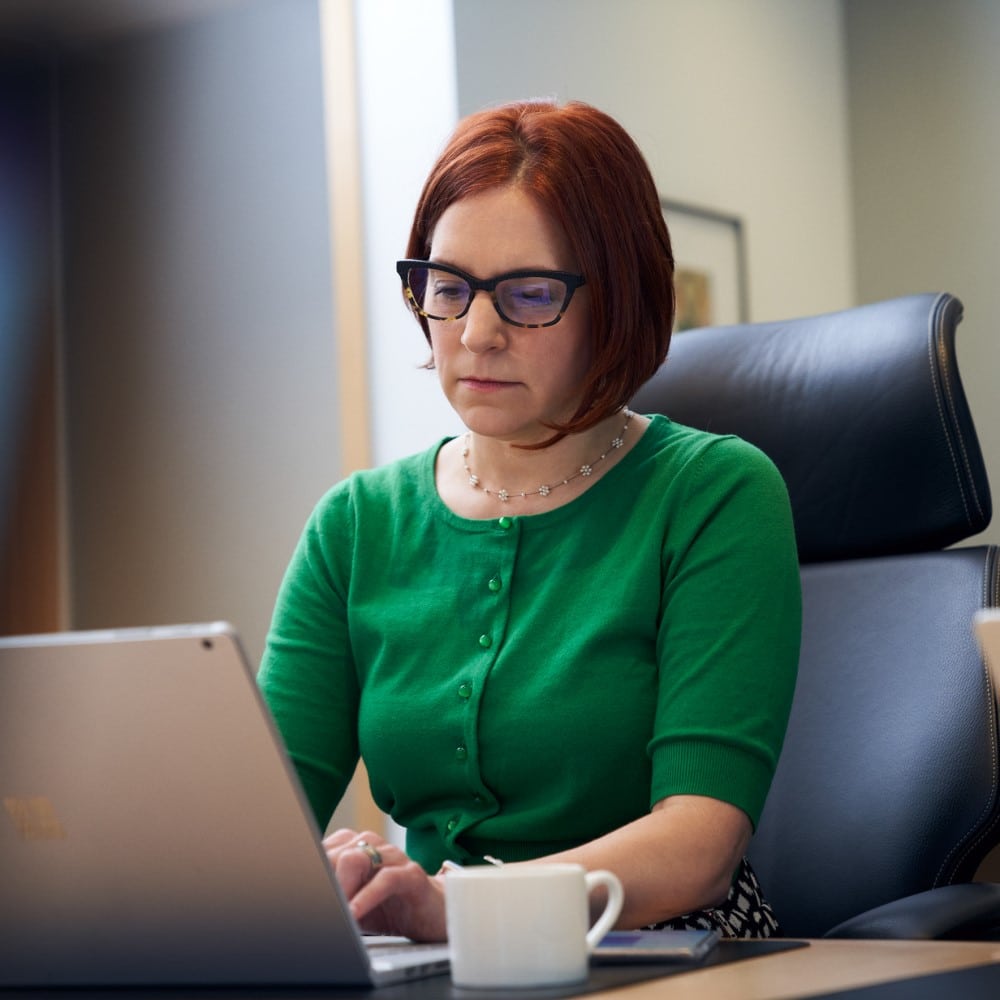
[952, 911]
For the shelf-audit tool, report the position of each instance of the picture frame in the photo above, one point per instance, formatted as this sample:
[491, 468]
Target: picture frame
[710, 265]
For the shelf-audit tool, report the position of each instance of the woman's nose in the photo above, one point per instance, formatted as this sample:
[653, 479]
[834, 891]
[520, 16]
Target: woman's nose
[483, 328]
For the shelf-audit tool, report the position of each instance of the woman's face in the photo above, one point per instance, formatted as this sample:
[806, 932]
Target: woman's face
[504, 380]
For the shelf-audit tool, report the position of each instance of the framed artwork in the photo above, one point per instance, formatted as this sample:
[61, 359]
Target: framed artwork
[710, 268]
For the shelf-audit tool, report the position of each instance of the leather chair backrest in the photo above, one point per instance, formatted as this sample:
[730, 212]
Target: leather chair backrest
[863, 412]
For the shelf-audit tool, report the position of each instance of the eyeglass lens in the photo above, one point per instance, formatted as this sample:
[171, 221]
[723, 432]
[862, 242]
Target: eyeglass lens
[532, 301]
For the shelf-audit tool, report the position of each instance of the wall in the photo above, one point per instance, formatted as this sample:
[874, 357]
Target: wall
[408, 106]
[738, 106]
[925, 139]
[201, 405]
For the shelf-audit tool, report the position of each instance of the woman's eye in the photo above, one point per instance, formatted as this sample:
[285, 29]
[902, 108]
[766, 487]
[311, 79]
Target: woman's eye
[532, 295]
[450, 290]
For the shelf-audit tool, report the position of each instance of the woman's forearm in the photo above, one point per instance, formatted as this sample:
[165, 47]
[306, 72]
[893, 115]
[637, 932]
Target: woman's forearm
[679, 858]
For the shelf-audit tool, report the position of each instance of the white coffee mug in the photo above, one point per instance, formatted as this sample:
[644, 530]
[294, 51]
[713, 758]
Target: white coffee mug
[525, 925]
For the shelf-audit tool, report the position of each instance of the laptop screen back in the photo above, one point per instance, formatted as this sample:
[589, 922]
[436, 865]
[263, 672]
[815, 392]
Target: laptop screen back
[151, 827]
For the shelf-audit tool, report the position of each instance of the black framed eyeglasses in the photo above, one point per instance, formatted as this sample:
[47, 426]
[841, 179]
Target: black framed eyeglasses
[529, 299]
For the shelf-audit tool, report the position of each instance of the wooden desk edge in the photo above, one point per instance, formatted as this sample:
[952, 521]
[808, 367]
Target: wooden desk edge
[822, 967]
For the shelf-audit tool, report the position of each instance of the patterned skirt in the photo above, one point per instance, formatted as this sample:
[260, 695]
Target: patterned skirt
[743, 914]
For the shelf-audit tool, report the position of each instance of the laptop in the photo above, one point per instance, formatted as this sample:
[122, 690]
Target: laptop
[153, 830]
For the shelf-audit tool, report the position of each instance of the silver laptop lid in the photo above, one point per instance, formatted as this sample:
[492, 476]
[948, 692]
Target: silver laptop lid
[152, 829]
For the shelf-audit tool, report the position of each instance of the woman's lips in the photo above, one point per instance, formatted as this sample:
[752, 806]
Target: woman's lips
[486, 384]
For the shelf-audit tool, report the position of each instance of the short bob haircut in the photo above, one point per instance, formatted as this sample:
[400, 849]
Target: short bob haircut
[587, 173]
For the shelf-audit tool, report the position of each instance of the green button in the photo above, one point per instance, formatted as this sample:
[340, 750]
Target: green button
[506, 523]
[452, 823]
[461, 753]
[495, 584]
[465, 690]
[485, 641]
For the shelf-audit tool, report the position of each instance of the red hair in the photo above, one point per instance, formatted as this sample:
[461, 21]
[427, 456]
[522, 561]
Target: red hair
[584, 169]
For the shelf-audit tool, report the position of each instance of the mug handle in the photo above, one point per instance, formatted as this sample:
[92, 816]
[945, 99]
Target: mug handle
[616, 899]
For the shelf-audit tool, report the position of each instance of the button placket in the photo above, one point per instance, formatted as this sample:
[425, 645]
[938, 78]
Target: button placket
[489, 641]
[506, 526]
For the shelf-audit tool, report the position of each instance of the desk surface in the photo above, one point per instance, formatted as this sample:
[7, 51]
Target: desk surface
[825, 966]
[820, 968]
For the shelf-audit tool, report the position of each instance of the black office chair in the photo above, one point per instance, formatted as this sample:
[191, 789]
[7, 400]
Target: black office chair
[885, 801]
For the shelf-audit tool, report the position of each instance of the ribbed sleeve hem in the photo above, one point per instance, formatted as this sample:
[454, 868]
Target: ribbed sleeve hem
[722, 771]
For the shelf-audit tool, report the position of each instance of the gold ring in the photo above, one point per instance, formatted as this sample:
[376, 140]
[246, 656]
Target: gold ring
[373, 855]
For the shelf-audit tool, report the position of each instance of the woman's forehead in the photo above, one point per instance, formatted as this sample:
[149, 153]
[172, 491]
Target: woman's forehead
[502, 229]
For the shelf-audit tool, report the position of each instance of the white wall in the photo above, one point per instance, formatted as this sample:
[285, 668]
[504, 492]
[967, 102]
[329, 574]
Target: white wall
[200, 377]
[924, 88]
[739, 105]
[408, 106]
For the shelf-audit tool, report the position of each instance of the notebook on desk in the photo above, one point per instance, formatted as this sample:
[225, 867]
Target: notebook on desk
[153, 830]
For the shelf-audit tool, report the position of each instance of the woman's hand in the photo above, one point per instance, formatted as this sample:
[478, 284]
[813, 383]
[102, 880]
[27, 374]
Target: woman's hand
[388, 893]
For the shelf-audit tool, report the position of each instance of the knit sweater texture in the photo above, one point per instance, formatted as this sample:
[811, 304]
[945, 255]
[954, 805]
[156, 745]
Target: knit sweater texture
[521, 685]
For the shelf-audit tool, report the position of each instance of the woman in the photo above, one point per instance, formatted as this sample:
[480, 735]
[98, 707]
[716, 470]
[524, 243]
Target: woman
[570, 633]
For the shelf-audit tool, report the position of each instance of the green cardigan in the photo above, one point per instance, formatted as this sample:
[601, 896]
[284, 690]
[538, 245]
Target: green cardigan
[521, 685]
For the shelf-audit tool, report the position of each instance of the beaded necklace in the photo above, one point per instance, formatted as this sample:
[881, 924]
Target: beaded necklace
[587, 469]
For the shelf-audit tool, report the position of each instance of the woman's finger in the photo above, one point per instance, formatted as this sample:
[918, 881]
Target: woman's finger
[370, 844]
[353, 871]
[339, 839]
[358, 857]
[401, 899]
[388, 892]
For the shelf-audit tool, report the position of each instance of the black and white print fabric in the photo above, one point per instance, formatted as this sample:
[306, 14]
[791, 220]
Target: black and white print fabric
[743, 914]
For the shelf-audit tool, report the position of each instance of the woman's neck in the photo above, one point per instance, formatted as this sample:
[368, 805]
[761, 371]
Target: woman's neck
[481, 477]
[579, 456]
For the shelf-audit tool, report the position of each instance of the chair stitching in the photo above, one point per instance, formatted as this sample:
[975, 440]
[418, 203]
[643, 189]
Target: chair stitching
[932, 341]
[944, 423]
[961, 438]
[958, 851]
